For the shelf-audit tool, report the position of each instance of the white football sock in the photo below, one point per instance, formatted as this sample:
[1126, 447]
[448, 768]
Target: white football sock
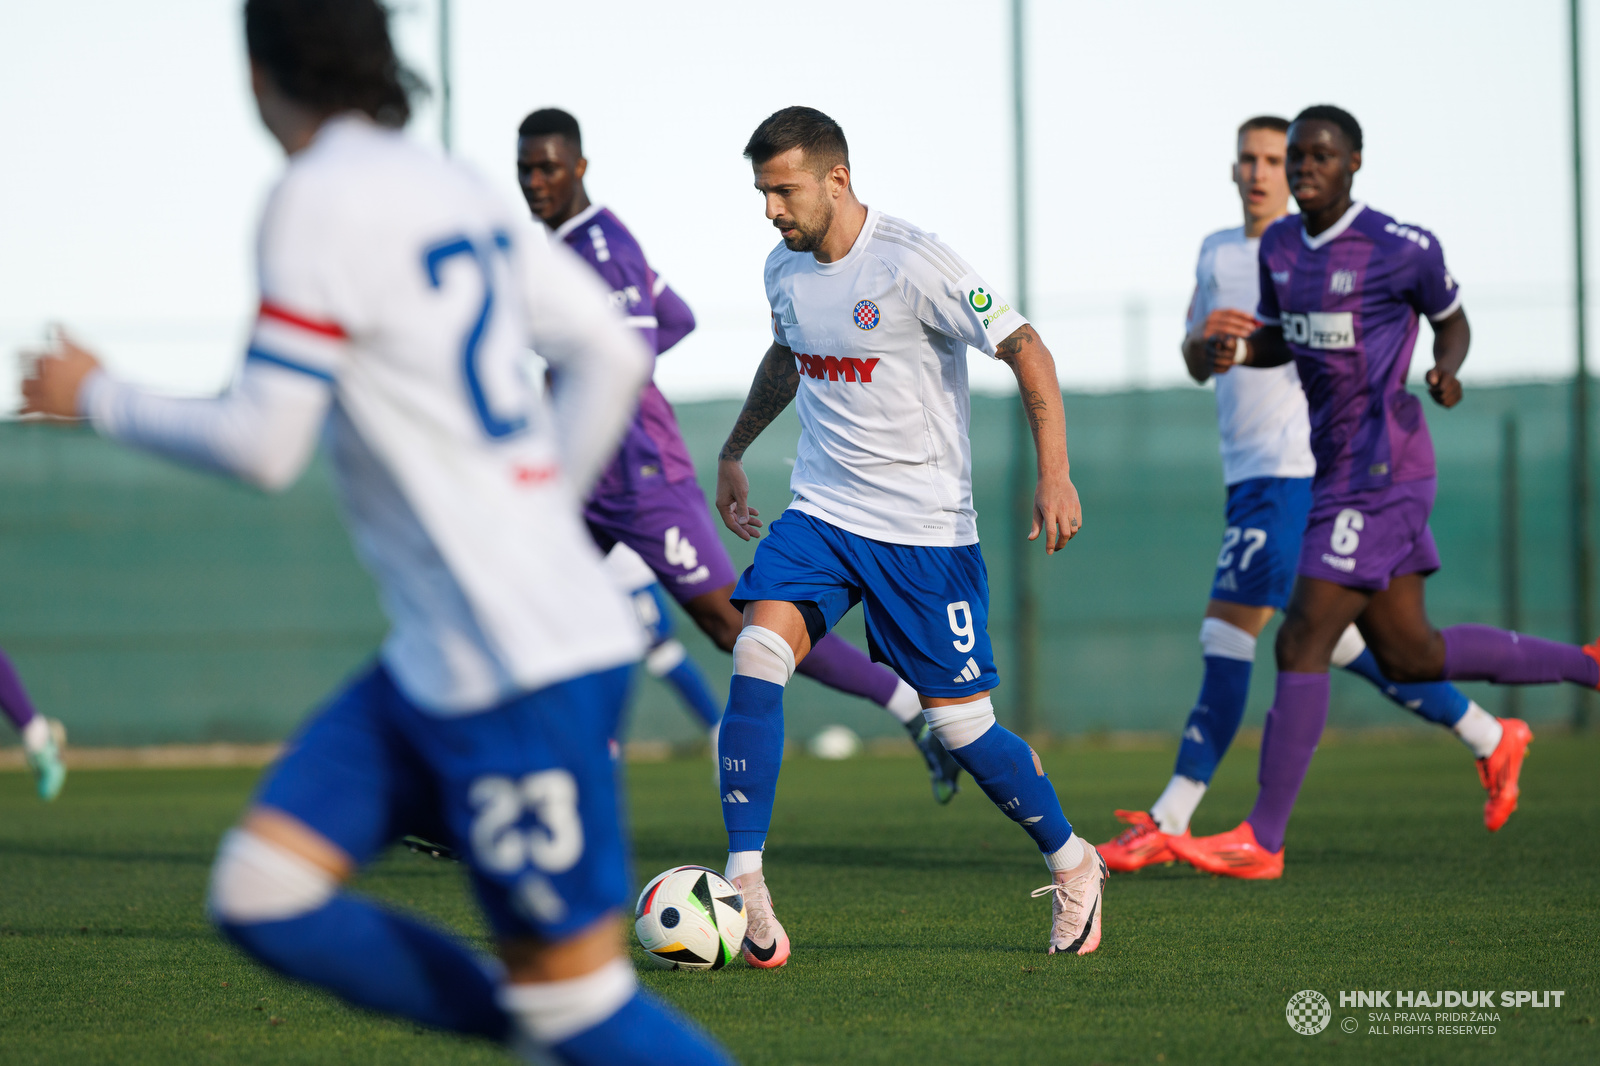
[1478, 730]
[904, 704]
[549, 1012]
[1351, 645]
[1067, 856]
[1177, 803]
[741, 863]
[36, 734]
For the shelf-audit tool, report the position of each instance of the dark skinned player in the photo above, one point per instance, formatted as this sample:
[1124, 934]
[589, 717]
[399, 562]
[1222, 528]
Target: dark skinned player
[648, 498]
[1342, 289]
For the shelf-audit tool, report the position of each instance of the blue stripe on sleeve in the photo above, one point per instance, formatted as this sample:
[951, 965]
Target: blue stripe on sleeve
[288, 364]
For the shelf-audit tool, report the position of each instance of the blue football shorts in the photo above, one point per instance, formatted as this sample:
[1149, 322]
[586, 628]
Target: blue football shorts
[927, 608]
[1261, 546]
[526, 792]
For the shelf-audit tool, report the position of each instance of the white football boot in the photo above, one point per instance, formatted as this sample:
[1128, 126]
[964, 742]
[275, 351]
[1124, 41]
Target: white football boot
[1075, 905]
[766, 945]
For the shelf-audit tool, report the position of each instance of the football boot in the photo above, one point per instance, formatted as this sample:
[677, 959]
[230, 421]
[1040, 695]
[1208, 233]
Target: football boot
[766, 945]
[1141, 844]
[1499, 772]
[1232, 854]
[1075, 897]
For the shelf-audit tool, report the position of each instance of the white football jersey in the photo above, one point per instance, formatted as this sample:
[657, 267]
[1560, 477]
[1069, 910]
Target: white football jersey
[402, 283]
[880, 338]
[1261, 411]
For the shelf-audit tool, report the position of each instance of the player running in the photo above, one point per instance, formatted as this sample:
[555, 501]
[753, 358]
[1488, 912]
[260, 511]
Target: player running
[1267, 465]
[1342, 287]
[398, 295]
[648, 498]
[871, 319]
[43, 739]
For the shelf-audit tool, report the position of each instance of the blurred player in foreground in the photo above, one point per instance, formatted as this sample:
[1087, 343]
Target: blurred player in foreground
[398, 298]
[43, 739]
[648, 498]
[882, 510]
[1342, 288]
[1267, 465]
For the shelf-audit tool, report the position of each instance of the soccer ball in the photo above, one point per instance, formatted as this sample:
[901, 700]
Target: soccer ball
[690, 918]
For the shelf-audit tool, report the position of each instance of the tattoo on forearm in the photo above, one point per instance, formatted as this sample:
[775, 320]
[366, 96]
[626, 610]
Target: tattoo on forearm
[776, 382]
[1011, 347]
[1033, 403]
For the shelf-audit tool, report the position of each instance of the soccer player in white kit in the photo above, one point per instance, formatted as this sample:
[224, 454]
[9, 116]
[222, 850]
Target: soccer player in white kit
[1267, 466]
[871, 321]
[398, 297]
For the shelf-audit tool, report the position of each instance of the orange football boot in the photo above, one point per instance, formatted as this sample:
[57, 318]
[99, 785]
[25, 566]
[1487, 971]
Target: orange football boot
[1231, 854]
[1141, 844]
[1500, 770]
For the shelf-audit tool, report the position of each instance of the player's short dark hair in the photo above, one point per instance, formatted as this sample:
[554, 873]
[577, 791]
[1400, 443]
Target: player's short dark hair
[552, 122]
[1264, 122]
[819, 137]
[1339, 117]
[332, 55]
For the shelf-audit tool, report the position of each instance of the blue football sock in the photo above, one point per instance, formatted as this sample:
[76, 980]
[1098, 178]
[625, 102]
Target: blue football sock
[750, 746]
[1437, 701]
[1008, 772]
[642, 1031]
[693, 691]
[1215, 718]
[380, 960]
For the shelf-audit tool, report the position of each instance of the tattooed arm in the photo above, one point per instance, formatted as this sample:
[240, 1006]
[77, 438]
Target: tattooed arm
[776, 382]
[1056, 511]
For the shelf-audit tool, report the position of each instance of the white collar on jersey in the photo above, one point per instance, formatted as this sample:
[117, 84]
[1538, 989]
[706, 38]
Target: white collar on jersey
[855, 249]
[1332, 231]
[577, 220]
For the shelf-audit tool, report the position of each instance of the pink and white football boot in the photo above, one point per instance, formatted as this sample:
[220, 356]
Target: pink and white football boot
[766, 945]
[1075, 905]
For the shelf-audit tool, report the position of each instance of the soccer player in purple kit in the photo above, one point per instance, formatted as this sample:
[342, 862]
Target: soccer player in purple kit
[1342, 287]
[648, 498]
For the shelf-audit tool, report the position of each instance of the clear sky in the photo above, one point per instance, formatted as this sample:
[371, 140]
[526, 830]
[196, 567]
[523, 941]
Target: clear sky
[135, 166]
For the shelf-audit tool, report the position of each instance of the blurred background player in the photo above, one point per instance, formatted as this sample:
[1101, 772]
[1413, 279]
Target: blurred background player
[398, 298]
[1342, 289]
[1267, 466]
[43, 739]
[648, 497]
[666, 657]
[882, 512]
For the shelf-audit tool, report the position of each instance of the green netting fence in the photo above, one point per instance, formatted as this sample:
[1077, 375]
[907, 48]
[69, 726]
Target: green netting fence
[148, 604]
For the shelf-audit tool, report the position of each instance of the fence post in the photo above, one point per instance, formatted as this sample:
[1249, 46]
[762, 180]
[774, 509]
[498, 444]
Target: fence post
[1510, 546]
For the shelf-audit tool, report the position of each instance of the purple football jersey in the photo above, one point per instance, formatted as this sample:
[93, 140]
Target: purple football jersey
[1348, 301]
[652, 451]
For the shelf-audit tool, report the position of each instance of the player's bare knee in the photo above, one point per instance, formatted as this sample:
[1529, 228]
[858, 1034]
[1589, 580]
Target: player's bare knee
[256, 880]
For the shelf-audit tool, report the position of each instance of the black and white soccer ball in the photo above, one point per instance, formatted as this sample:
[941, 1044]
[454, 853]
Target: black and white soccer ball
[690, 918]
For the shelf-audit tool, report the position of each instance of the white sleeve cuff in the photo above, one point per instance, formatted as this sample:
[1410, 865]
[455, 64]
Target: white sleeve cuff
[1455, 305]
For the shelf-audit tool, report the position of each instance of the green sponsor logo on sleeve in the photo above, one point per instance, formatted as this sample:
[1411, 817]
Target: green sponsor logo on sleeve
[980, 300]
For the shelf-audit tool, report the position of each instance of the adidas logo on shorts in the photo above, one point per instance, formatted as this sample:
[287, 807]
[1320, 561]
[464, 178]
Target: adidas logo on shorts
[969, 672]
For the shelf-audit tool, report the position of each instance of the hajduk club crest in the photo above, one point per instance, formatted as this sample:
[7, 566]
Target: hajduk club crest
[866, 314]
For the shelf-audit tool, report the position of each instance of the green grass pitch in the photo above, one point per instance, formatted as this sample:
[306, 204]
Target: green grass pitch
[915, 940]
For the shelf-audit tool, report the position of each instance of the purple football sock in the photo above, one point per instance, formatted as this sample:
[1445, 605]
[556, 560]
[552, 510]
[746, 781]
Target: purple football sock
[1294, 725]
[1484, 653]
[839, 664]
[13, 697]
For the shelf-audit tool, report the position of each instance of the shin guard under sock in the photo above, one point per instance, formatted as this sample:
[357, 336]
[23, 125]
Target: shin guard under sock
[750, 745]
[1009, 773]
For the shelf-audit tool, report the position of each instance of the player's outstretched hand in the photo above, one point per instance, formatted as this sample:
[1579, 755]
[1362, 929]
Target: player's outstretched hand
[56, 374]
[1056, 512]
[733, 500]
[1230, 322]
[1444, 387]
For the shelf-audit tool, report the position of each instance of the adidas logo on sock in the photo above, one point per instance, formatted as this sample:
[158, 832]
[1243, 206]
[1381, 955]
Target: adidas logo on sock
[969, 672]
[1193, 733]
[735, 797]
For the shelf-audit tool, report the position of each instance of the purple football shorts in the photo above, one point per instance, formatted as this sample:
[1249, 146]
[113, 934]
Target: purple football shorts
[671, 526]
[1362, 540]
